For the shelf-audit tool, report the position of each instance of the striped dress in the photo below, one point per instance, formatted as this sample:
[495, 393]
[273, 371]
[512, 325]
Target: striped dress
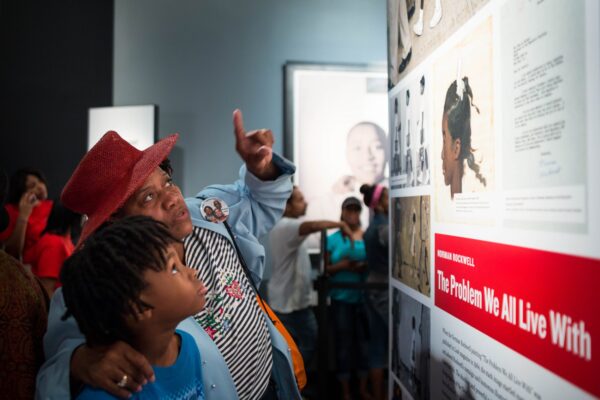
[232, 317]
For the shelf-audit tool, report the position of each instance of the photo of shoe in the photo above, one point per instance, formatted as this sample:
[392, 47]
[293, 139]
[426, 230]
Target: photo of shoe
[418, 27]
[405, 62]
[437, 14]
[411, 11]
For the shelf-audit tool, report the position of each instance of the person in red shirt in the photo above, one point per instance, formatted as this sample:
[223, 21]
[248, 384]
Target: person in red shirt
[54, 246]
[28, 208]
[23, 320]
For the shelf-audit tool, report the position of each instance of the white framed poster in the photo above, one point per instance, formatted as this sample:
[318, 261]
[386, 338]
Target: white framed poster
[336, 133]
[136, 124]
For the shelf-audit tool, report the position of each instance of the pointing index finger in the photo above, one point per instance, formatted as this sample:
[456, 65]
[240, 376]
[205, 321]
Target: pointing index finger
[238, 124]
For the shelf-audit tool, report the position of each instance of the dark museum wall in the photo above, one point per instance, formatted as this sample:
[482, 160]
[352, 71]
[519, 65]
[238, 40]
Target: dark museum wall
[57, 61]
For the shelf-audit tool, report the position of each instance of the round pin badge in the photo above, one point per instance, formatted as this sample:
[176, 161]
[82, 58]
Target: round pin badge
[214, 209]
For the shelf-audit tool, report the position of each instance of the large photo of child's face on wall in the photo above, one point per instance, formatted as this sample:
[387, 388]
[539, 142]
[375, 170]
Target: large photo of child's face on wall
[410, 138]
[411, 242]
[463, 121]
[411, 344]
[338, 129]
[418, 27]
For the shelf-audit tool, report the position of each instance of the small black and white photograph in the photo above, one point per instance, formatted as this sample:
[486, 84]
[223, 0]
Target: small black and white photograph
[417, 27]
[410, 135]
[411, 263]
[411, 344]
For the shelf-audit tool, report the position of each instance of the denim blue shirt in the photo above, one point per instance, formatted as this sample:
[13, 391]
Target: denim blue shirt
[254, 207]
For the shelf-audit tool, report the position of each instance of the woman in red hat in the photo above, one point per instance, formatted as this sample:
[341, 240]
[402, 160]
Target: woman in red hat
[243, 354]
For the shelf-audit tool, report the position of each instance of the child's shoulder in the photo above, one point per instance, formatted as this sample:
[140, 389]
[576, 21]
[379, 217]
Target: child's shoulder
[189, 348]
[89, 393]
[185, 376]
[186, 338]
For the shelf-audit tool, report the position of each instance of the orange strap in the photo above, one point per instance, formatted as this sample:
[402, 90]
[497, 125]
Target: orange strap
[297, 360]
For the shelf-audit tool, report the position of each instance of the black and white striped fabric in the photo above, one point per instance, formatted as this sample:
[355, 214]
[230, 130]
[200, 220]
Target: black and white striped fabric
[232, 317]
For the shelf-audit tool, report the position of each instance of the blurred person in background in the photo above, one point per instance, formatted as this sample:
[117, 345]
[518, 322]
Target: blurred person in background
[28, 209]
[377, 249]
[346, 263]
[54, 246]
[23, 319]
[290, 288]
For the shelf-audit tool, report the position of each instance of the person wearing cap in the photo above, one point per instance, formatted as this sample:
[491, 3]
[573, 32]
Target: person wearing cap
[244, 355]
[23, 318]
[345, 262]
[290, 286]
[377, 247]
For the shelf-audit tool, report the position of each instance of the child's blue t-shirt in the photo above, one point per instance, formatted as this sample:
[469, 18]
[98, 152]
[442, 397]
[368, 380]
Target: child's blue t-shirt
[340, 247]
[182, 380]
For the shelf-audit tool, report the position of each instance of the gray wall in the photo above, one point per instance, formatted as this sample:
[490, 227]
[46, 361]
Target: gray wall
[199, 59]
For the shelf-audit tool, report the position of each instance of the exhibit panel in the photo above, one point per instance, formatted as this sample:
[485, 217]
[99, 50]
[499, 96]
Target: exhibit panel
[495, 202]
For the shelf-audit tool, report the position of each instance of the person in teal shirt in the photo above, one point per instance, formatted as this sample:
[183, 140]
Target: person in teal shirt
[346, 263]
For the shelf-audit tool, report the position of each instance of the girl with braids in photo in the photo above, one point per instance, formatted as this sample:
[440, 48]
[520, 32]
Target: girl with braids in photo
[155, 292]
[456, 132]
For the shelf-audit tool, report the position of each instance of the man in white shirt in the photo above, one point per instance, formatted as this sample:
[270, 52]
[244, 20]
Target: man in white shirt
[290, 285]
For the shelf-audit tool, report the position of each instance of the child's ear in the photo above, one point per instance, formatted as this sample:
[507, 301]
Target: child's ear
[456, 145]
[141, 314]
[144, 315]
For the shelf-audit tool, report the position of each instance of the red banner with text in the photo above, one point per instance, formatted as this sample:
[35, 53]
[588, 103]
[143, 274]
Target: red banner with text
[538, 303]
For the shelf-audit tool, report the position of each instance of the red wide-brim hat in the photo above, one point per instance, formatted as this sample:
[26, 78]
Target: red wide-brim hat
[108, 175]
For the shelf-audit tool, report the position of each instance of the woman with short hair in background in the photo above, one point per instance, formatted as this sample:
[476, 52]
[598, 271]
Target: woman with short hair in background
[55, 246]
[28, 209]
[376, 240]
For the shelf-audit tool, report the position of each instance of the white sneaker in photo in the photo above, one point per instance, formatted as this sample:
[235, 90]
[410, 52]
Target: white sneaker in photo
[437, 15]
[418, 27]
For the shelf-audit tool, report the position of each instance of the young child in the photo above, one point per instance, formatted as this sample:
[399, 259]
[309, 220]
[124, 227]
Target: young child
[127, 283]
